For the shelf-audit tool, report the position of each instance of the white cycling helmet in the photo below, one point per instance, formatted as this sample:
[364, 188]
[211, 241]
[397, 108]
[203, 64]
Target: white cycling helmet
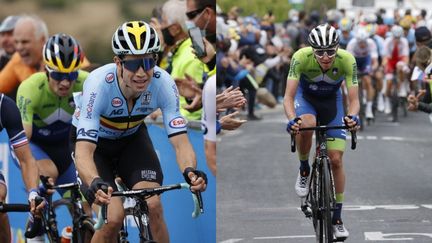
[397, 31]
[323, 36]
[361, 35]
[135, 38]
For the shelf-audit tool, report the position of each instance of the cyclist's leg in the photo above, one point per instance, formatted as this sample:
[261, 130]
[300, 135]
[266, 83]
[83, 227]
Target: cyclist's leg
[44, 162]
[105, 162]
[379, 75]
[158, 226]
[370, 93]
[5, 234]
[304, 141]
[140, 167]
[336, 147]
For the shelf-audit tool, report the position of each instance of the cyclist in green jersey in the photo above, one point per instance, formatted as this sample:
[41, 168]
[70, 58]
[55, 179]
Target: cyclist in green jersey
[313, 95]
[46, 105]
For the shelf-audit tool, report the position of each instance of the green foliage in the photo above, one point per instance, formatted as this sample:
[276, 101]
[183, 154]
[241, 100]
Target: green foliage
[279, 8]
[137, 9]
[58, 4]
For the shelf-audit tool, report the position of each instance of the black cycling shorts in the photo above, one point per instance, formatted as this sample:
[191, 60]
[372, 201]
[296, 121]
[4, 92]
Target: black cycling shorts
[133, 158]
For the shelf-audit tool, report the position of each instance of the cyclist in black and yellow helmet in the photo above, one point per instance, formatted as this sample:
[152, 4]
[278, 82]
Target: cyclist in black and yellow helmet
[111, 138]
[45, 101]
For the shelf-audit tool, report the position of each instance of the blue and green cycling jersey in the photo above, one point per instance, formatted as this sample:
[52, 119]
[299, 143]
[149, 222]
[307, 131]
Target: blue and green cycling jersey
[102, 109]
[48, 114]
[305, 69]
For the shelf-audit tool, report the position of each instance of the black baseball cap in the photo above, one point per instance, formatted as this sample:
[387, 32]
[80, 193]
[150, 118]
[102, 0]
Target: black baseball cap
[422, 34]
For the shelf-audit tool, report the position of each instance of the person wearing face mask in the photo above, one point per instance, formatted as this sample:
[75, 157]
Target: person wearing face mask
[202, 14]
[181, 59]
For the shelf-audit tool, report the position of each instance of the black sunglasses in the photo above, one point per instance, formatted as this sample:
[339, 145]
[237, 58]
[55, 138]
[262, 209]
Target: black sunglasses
[58, 76]
[330, 53]
[192, 14]
[134, 64]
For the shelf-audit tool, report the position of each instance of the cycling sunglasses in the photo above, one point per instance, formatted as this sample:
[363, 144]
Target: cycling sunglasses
[330, 53]
[134, 64]
[58, 76]
[194, 13]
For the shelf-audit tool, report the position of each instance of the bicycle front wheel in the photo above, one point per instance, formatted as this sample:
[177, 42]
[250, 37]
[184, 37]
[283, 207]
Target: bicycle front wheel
[85, 233]
[326, 229]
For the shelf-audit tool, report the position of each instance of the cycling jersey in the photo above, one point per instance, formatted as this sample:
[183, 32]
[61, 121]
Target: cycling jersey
[319, 93]
[49, 114]
[10, 120]
[343, 41]
[369, 50]
[209, 109]
[306, 70]
[102, 109]
[363, 55]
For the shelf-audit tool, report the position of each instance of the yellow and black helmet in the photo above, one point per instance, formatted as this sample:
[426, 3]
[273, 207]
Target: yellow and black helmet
[135, 38]
[62, 53]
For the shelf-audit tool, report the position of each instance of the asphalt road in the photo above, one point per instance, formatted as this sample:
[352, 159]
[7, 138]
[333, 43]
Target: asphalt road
[388, 194]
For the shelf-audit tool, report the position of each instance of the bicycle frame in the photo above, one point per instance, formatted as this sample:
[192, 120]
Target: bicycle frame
[321, 200]
[140, 211]
[74, 205]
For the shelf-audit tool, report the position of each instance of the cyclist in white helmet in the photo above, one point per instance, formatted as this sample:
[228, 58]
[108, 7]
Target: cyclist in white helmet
[313, 94]
[111, 138]
[365, 52]
[395, 60]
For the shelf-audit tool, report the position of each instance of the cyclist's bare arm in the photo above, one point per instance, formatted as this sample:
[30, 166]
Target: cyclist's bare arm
[29, 168]
[29, 171]
[290, 92]
[28, 128]
[85, 164]
[354, 104]
[186, 158]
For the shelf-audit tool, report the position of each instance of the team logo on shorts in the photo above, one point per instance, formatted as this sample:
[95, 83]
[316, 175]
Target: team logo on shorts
[109, 78]
[178, 122]
[313, 87]
[116, 102]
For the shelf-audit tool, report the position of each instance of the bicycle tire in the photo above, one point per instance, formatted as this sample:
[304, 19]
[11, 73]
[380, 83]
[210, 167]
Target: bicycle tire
[313, 198]
[85, 233]
[326, 196]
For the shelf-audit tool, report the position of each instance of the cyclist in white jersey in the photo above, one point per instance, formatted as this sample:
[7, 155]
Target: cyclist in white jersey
[209, 122]
[365, 52]
[111, 138]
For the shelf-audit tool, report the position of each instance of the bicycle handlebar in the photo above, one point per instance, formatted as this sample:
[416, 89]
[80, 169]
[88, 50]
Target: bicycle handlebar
[15, 207]
[325, 128]
[197, 199]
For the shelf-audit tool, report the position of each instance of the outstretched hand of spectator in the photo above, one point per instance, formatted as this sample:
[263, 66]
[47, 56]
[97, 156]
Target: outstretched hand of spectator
[230, 98]
[228, 122]
[188, 87]
[413, 100]
[196, 103]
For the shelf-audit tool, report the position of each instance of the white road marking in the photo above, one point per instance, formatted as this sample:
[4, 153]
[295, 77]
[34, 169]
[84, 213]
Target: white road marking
[379, 236]
[231, 241]
[284, 237]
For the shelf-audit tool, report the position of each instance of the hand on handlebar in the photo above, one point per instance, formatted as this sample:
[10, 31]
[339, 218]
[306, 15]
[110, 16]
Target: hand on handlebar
[293, 125]
[353, 122]
[196, 179]
[99, 191]
[36, 209]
